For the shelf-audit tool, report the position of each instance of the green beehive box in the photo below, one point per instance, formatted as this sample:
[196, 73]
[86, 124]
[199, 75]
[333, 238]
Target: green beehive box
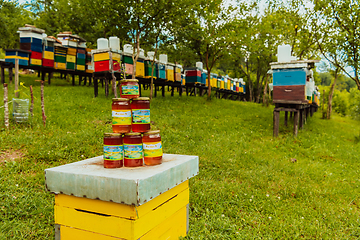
[80, 61]
[60, 59]
[127, 59]
[70, 66]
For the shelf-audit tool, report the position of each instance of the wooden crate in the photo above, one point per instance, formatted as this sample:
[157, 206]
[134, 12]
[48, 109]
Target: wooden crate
[289, 93]
[164, 217]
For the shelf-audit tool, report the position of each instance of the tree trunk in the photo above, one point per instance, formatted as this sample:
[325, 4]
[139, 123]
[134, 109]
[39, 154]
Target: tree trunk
[265, 89]
[113, 79]
[6, 106]
[208, 77]
[136, 56]
[331, 93]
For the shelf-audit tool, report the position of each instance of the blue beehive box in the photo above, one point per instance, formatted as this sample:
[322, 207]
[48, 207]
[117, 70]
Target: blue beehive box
[161, 72]
[22, 55]
[288, 77]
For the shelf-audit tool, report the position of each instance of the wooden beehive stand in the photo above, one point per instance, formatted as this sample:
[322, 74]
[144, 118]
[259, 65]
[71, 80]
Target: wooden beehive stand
[148, 202]
[289, 93]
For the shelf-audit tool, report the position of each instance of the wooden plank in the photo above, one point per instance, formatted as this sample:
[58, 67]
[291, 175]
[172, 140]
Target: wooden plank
[286, 118]
[290, 101]
[285, 109]
[289, 93]
[276, 123]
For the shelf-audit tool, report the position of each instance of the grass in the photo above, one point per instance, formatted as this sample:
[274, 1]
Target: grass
[249, 185]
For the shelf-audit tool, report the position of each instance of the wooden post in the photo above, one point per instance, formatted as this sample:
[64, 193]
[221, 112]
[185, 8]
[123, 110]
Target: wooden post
[6, 106]
[43, 103]
[17, 93]
[163, 90]
[286, 118]
[2, 75]
[301, 118]
[10, 74]
[95, 80]
[106, 87]
[291, 115]
[80, 79]
[139, 88]
[32, 101]
[276, 123]
[49, 78]
[85, 80]
[296, 122]
[73, 79]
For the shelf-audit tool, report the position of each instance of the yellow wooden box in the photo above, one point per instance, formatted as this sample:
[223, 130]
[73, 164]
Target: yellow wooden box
[80, 67]
[164, 217]
[222, 85]
[170, 75]
[58, 65]
[70, 58]
[241, 89]
[140, 69]
[48, 55]
[228, 86]
[34, 61]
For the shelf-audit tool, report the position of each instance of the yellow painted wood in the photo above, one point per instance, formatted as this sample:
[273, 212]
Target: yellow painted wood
[35, 61]
[172, 228]
[228, 85]
[116, 56]
[115, 209]
[241, 89]
[170, 75]
[48, 55]
[101, 56]
[89, 71]
[222, 85]
[60, 65]
[80, 67]
[117, 226]
[70, 58]
[69, 233]
[140, 69]
[17, 57]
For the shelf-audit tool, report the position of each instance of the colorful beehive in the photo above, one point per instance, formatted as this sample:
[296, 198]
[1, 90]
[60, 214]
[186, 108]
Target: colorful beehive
[60, 56]
[177, 76]
[140, 68]
[22, 55]
[106, 60]
[129, 63]
[204, 77]
[70, 58]
[69, 40]
[183, 79]
[81, 59]
[170, 70]
[148, 69]
[213, 77]
[193, 75]
[149, 202]
[89, 66]
[48, 53]
[31, 39]
[161, 71]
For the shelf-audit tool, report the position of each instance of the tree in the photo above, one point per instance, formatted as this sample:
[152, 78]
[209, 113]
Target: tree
[341, 20]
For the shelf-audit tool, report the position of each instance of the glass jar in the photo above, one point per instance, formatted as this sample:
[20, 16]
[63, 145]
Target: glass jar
[140, 109]
[113, 150]
[129, 88]
[152, 148]
[133, 150]
[121, 115]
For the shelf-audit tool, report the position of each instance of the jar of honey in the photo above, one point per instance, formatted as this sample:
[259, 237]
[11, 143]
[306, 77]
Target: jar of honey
[129, 88]
[140, 108]
[152, 148]
[133, 150]
[113, 150]
[121, 115]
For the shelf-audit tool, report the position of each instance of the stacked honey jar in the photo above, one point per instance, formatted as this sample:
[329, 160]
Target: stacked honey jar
[131, 144]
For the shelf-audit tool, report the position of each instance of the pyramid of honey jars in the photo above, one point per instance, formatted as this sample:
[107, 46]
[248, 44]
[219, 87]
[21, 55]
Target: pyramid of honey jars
[131, 144]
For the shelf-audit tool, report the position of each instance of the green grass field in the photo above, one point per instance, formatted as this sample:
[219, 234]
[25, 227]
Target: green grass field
[249, 185]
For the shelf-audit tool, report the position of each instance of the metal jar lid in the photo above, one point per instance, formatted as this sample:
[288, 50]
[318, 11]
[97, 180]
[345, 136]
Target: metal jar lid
[141, 99]
[120, 99]
[133, 134]
[129, 80]
[112, 134]
[152, 132]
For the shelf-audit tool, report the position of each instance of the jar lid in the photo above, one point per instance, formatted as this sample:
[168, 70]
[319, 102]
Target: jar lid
[142, 99]
[152, 132]
[129, 80]
[133, 134]
[112, 134]
[120, 99]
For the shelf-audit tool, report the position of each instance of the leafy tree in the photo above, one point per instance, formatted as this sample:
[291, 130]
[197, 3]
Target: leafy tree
[12, 16]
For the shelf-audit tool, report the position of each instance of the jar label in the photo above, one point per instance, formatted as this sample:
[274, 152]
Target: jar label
[129, 90]
[153, 149]
[133, 151]
[121, 117]
[141, 116]
[113, 153]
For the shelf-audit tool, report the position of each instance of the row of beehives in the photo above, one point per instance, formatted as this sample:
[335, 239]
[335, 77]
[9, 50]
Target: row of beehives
[69, 52]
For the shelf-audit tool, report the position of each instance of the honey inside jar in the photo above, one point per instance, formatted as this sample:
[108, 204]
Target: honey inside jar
[152, 146]
[113, 150]
[133, 150]
[129, 88]
[140, 109]
[121, 115]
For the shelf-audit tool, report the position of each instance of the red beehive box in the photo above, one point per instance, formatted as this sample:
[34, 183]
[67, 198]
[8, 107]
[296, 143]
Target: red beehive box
[48, 63]
[193, 73]
[36, 55]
